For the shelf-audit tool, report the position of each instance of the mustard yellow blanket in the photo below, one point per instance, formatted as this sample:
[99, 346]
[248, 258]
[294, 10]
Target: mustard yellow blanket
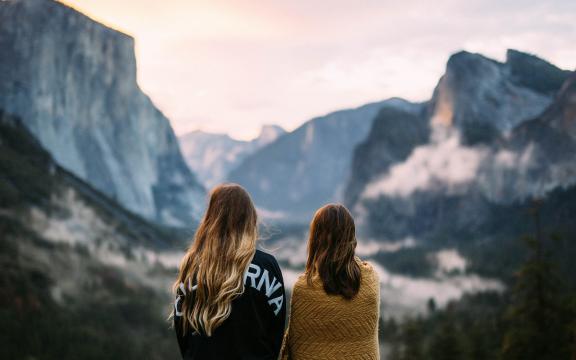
[330, 327]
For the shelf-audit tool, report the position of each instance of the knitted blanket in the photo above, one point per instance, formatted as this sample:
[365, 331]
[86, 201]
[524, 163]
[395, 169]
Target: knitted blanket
[326, 326]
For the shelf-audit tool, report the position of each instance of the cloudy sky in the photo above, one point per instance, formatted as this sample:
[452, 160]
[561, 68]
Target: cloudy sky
[232, 66]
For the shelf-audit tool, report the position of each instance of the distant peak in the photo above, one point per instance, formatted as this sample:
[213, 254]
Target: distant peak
[271, 128]
[197, 134]
[464, 55]
[464, 67]
[512, 55]
[465, 59]
[269, 133]
[515, 58]
[535, 73]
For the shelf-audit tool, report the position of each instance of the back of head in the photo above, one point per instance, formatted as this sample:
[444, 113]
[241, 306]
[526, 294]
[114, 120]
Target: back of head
[331, 251]
[223, 247]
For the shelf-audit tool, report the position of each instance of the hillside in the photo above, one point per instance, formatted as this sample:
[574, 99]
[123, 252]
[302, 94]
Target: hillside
[76, 265]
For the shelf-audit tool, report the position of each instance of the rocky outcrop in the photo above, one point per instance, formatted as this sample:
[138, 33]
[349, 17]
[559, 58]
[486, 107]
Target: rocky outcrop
[73, 82]
[559, 117]
[550, 142]
[534, 73]
[484, 98]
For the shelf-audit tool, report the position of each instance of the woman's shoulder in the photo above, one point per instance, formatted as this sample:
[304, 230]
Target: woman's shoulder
[265, 260]
[264, 257]
[305, 285]
[367, 268]
[301, 281]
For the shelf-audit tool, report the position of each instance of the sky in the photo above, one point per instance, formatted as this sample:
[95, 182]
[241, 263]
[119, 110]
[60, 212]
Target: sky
[232, 66]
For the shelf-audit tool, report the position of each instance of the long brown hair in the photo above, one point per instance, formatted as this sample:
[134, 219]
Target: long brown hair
[331, 251]
[216, 261]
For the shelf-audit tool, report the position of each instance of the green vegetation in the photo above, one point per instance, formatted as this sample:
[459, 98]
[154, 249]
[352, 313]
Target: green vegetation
[24, 167]
[408, 261]
[467, 329]
[115, 320]
[101, 313]
[540, 317]
[534, 319]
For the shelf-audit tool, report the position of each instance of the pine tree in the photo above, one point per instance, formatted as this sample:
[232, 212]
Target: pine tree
[431, 306]
[411, 338]
[538, 319]
[573, 330]
[446, 343]
[389, 335]
[481, 342]
[395, 351]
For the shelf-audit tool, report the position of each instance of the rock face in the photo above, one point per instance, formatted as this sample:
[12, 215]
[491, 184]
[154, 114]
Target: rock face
[550, 142]
[534, 73]
[493, 135]
[213, 156]
[559, 117]
[484, 98]
[302, 170]
[73, 82]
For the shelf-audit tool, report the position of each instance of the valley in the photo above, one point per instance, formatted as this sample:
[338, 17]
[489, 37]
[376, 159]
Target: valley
[460, 201]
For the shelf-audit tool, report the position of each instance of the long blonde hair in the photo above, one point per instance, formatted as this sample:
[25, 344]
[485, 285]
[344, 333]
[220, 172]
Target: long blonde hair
[223, 247]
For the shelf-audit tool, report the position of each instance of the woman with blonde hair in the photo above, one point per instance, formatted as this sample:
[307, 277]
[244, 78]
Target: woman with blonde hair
[335, 303]
[229, 296]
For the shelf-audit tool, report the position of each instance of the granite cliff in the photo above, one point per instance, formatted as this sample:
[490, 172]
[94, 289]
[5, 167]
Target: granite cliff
[73, 82]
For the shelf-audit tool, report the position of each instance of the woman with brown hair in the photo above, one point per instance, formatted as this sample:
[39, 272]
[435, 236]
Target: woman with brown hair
[335, 303]
[229, 296]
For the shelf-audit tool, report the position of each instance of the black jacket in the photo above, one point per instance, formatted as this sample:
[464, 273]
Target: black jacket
[255, 327]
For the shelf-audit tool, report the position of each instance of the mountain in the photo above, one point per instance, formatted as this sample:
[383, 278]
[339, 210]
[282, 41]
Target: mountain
[559, 119]
[500, 134]
[534, 73]
[268, 134]
[213, 156]
[484, 98]
[394, 134]
[299, 172]
[73, 82]
[76, 266]
[549, 141]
